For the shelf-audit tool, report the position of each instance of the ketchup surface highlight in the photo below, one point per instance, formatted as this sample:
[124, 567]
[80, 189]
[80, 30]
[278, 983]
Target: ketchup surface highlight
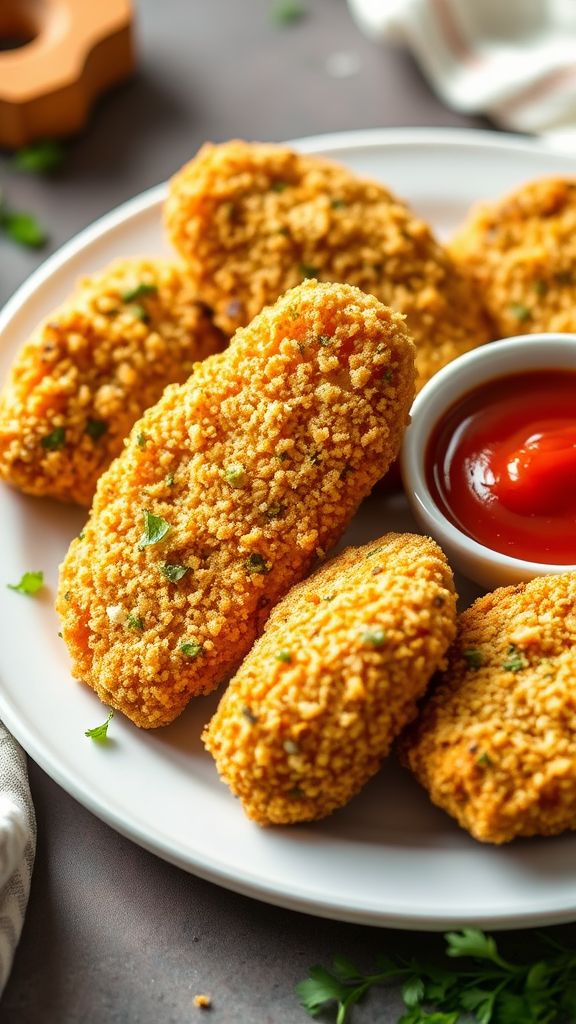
[501, 465]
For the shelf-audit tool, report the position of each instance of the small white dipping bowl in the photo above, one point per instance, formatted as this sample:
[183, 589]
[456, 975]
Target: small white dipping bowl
[490, 362]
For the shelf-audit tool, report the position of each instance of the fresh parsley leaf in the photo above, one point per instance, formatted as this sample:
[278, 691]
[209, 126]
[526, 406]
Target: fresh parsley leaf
[256, 564]
[174, 573]
[486, 990]
[100, 732]
[319, 989]
[287, 12]
[22, 228]
[374, 637]
[191, 649]
[55, 440]
[95, 429]
[475, 943]
[30, 583]
[413, 992]
[139, 291]
[155, 529]
[40, 157]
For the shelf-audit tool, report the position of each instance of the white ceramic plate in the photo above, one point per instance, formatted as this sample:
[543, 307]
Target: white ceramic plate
[389, 858]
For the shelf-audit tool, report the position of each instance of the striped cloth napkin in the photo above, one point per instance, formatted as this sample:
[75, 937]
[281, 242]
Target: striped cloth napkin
[17, 847]
[514, 60]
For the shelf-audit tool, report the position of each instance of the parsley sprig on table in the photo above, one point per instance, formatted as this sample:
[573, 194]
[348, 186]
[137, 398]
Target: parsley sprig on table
[486, 990]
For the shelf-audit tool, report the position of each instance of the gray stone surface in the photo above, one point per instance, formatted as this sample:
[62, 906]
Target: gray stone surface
[112, 933]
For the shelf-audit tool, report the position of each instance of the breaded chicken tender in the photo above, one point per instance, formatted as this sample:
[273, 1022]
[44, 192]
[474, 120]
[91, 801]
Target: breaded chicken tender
[252, 220]
[495, 745]
[521, 252]
[316, 705]
[89, 371]
[250, 470]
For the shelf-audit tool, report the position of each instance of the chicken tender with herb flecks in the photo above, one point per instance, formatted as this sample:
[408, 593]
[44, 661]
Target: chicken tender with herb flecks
[252, 220]
[318, 702]
[250, 471]
[521, 252]
[495, 744]
[89, 371]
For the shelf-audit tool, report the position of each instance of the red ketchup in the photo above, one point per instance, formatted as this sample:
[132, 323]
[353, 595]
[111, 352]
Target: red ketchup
[501, 465]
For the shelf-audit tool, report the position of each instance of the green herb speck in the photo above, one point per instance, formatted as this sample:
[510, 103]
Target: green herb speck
[474, 657]
[374, 638]
[325, 340]
[256, 564]
[275, 511]
[191, 649]
[174, 573]
[55, 440]
[139, 291]
[139, 312]
[338, 204]
[279, 186]
[169, 479]
[284, 656]
[135, 622]
[235, 476]
[515, 660]
[249, 715]
[155, 529]
[520, 311]
[95, 429]
[141, 439]
[308, 270]
[484, 760]
[291, 747]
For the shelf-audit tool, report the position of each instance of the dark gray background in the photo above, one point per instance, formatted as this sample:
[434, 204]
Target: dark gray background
[112, 933]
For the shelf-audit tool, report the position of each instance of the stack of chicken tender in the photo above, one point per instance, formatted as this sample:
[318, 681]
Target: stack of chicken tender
[225, 416]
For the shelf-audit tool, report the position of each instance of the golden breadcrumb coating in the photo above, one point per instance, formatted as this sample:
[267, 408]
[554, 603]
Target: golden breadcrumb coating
[495, 745]
[90, 370]
[257, 464]
[252, 220]
[317, 703]
[521, 251]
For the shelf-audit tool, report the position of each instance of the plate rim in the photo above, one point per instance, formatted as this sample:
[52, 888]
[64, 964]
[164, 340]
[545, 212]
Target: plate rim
[296, 898]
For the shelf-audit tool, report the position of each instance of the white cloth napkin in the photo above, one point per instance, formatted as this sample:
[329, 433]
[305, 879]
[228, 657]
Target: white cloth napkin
[17, 847]
[514, 60]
